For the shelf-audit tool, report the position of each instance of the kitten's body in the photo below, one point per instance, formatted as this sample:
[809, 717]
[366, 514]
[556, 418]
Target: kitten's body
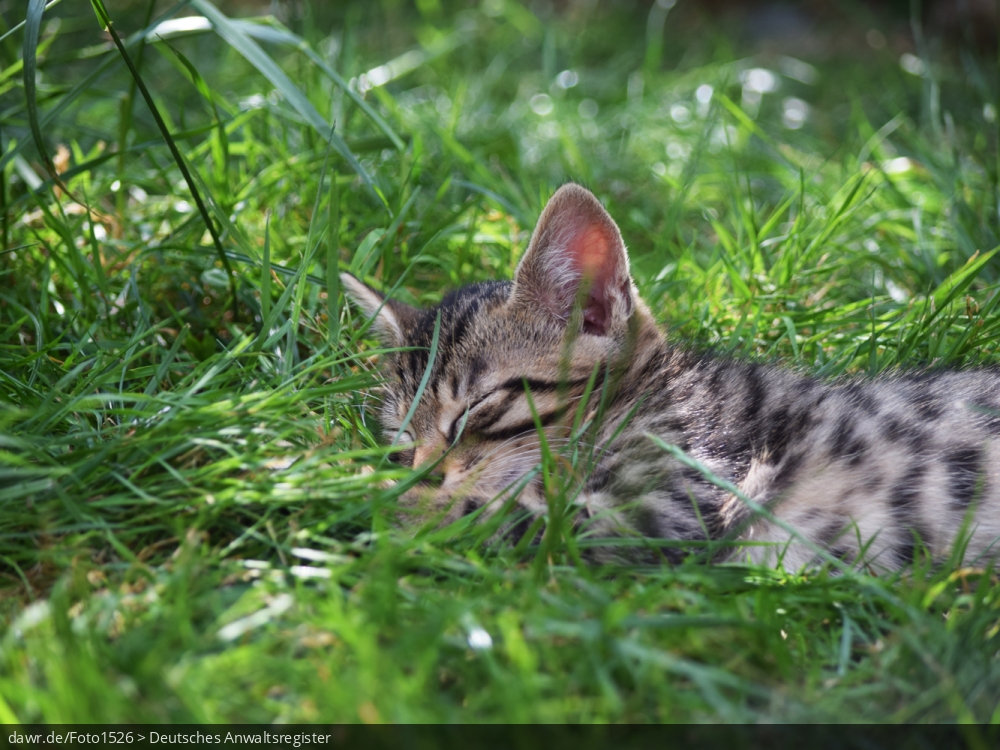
[877, 465]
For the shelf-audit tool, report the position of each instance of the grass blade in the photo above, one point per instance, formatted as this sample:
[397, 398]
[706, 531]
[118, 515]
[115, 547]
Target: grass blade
[281, 35]
[333, 260]
[242, 43]
[86, 84]
[17, 27]
[265, 278]
[105, 19]
[32, 25]
[432, 354]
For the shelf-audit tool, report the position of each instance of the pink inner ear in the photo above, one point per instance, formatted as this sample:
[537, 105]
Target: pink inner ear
[591, 254]
[576, 250]
[590, 249]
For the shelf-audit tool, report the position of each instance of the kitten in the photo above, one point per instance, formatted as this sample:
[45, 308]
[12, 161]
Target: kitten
[870, 468]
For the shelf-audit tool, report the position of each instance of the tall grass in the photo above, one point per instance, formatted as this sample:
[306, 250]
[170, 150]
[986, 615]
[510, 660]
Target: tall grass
[195, 518]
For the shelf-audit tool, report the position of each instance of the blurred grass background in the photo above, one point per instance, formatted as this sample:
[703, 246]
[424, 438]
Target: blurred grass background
[195, 521]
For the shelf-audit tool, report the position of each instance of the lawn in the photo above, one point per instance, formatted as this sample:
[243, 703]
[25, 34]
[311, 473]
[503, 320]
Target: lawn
[196, 513]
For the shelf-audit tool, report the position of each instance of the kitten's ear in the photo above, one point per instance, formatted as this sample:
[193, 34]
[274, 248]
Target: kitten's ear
[576, 250]
[392, 319]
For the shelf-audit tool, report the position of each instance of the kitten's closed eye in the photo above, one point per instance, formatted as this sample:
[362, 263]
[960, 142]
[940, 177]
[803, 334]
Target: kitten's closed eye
[457, 427]
[471, 419]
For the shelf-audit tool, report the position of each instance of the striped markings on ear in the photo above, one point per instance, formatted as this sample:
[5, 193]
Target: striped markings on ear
[576, 251]
[390, 317]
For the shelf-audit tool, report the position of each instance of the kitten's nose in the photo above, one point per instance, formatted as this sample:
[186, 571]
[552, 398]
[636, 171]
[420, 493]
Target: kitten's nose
[427, 454]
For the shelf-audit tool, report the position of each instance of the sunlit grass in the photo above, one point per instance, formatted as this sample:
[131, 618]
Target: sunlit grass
[195, 518]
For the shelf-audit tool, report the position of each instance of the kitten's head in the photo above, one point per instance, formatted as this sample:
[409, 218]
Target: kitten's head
[566, 313]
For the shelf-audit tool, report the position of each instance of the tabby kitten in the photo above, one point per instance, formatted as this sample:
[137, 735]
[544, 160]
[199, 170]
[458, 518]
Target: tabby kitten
[863, 468]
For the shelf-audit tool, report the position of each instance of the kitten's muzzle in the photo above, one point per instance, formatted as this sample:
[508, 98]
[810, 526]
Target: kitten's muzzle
[428, 454]
[429, 459]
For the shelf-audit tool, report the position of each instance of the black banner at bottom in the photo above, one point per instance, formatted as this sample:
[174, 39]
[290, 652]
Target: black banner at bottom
[503, 737]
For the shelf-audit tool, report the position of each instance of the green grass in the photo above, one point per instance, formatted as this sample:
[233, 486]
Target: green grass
[195, 522]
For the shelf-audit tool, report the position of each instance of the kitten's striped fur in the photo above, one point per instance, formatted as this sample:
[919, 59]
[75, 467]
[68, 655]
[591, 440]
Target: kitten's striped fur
[878, 464]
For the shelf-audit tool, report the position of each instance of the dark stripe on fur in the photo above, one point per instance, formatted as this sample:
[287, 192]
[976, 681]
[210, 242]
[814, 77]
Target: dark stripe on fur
[524, 427]
[964, 471]
[904, 500]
